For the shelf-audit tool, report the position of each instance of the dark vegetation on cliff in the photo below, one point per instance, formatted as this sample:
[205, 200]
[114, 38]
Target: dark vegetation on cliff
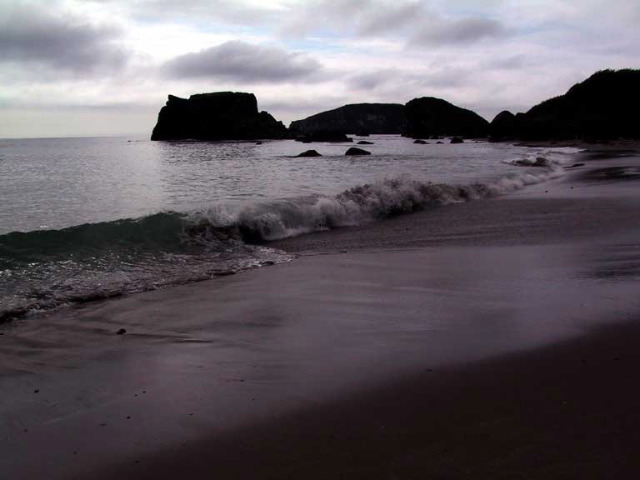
[603, 107]
[216, 116]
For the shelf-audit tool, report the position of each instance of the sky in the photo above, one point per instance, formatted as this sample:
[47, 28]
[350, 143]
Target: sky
[105, 67]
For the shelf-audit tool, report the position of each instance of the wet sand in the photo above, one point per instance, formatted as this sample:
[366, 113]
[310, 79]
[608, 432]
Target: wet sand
[494, 339]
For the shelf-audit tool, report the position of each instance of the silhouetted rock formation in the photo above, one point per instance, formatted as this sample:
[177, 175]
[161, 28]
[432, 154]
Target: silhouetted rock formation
[603, 107]
[357, 151]
[430, 116]
[419, 141]
[456, 140]
[309, 153]
[216, 116]
[503, 126]
[324, 136]
[361, 119]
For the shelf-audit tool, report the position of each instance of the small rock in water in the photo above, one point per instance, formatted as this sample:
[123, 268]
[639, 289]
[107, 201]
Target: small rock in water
[419, 141]
[456, 140]
[364, 142]
[357, 151]
[310, 153]
[541, 162]
[122, 331]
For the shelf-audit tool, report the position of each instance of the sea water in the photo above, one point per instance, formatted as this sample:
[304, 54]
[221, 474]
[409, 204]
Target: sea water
[90, 218]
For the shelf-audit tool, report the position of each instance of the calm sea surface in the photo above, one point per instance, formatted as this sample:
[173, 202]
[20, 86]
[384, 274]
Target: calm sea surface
[57, 183]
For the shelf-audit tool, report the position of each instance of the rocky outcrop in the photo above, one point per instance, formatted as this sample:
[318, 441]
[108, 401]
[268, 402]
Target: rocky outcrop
[216, 116]
[360, 119]
[503, 126]
[603, 107]
[309, 153]
[429, 116]
[357, 151]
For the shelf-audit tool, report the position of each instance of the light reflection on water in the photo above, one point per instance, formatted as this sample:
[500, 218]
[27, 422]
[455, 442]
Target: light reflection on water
[55, 183]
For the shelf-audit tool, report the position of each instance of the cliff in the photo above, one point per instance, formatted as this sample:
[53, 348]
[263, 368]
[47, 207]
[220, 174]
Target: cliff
[216, 116]
[603, 107]
[355, 119]
[429, 116]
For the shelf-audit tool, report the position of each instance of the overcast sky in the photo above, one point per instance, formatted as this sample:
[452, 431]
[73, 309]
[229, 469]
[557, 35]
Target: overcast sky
[104, 67]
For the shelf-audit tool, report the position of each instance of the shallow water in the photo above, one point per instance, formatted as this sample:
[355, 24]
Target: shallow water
[57, 183]
[90, 218]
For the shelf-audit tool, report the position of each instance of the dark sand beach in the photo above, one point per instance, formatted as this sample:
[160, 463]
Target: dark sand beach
[492, 339]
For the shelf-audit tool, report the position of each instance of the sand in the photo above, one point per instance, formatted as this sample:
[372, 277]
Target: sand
[493, 339]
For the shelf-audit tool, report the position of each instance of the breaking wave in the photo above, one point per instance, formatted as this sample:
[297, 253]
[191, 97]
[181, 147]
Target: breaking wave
[40, 270]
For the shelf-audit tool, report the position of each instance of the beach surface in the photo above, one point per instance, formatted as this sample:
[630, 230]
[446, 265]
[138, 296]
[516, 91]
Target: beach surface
[490, 339]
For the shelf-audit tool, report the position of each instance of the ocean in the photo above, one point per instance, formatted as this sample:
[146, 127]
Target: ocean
[84, 219]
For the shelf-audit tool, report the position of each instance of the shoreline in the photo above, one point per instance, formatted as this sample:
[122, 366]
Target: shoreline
[563, 411]
[486, 339]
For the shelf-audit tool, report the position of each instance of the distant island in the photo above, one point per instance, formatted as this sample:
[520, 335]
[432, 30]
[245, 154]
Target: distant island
[603, 107]
[216, 116]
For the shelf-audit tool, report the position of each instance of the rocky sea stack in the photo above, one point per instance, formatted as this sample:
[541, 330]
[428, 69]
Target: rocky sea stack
[216, 116]
[429, 116]
[603, 107]
[356, 119]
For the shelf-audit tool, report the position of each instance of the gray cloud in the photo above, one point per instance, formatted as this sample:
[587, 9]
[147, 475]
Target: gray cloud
[458, 32]
[394, 81]
[411, 20]
[390, 19]
[372, 80]
[43, 34]
[231, 11]
[245, 63]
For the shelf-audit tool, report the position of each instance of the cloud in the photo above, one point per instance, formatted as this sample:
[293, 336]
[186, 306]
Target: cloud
[364, 18]
[245, 63]
[458, 32]
[52, 36]
[391, 19]
[417, 23]
[231, 11]
[374, 79]
[392, 81]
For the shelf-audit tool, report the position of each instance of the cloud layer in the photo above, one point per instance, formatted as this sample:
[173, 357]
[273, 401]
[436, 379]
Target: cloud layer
[298, 56]
[243, 63]
[58, 39]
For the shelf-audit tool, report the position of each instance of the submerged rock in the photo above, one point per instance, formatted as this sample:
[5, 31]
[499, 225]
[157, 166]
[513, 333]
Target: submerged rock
[357, 151]
[216, 116]
[309, 153]
[538, 162]
[364, 142]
